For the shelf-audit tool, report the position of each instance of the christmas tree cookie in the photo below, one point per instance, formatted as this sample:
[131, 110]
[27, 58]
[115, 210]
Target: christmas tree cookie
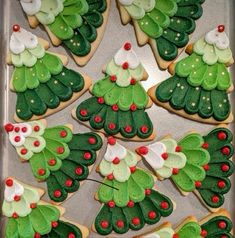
[40, 79]
[119, 102]
[199, 164]
[200, 84]
[129, 200]
[78, 25]
[165, 24]
[217, 225]
[28, 216]
[57, 156]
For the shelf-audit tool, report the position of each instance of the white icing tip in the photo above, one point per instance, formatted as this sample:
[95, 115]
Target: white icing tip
[31, 7]
[115, 151]
[13, 189]
[126, 2]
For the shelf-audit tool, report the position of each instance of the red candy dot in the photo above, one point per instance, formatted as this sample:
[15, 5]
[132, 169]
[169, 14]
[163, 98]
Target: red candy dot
[60, 150]
[136, 221]
[111, 140]
[125, 65]
[115, 108]
[164, 156]
[164, 205]
[79, 171]
[221, 135]
[221, 28]
[16, 28]
[133, 81]
[54, 224]
[17, 198]
[198, 184]
[17, 129]
[113, 78]
[215, 199]
[57, 193]
[128, 129]
[152, 215]
[204, 233]
[33, 205]
[9, 127]
[83, 112]
[100, 100]
[205, 145]
[9, 182]
[52, 162]
[91, 140]
[24, 151]
[36, 128]
[221, 184]
[175, 236]
[110, 177]
[175, 171]
[104, 224]
[68, 183]
[112, 126]
[98, 119]
[41, 172]
[87, 155]
[206, 167]
[36, 143]
[71, 235]
[222, 225]
[225, 167]
[120, 224]
[37, 235]
[143, 150]
[127, 46]
[147, 191]
[225, 151]
[63, 134]
[130, 204]
[111, 204]
[144, 129]
[24, 129]
[133, 107]
[17, 139]
[15, 215]
[116, 160]
[178, 148]
[133, 169]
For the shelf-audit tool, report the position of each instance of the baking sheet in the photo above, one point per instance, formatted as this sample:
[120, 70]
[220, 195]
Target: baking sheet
[82, 207]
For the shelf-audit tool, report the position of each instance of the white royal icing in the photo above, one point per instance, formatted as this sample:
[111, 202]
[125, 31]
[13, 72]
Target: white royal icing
[126, 2]
[114, 151]
[128, 56]
[31, 7]
[219, 39]
[15, 190]
[22, 40]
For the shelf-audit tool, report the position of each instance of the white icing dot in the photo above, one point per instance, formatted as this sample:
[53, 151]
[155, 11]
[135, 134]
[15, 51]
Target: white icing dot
[63, 74]
[178, 34]
[178, 84]
[210, 74]
[193, 66]
[165, 32]
[74, 44]
[76, 33]
[197, 88]
[182, 87]
[146, 23]
[33, 74]
[178, 21]
[193, 104]
[78, 44]
[172, 19]
[142, 23]
[223, 73]
[71, 40]
[65, 29]
[220, 105]
[208, 99]
[55, 82]
[166, 52]
[184, 64]
[71, 83]
[195, 72]
[32, 101]
[176, 38]
[197, 59]
[204, 98]
[209, 108]
[18, 110]
[171, 91]
[42, 75]
[192, 12]
[225, 100]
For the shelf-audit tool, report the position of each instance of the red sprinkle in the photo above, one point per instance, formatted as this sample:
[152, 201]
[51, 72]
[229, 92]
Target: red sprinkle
[152, 215]
[133, 81]
[120, 224]
[111, 140]
[175, 236]
[83, 112]
[206, 167]
[41, 172]
[68, 183]
[215, 199]
[33, 205]
[9, 127]
[136, 221]
[79, 171]
[178, 148]
[113, 78]
[164, 205]
[36, 128]
[92, 140]
[222, 225]
[175, 171]
[221, 135]
[221, 184]
[17, 198]
[128, 129]
[110, 177]
[71, 235]
[133, 169]
[16, 28]
[164, 156]
[144, 129]
[9, 182]
[36, 143]
[63, 133]
[147, 191]
[54, 224]
[112, 126]
[15, 215]
[130, 204]
[17, 138]
[205, 145]
[100, 100]
[127, 46]
[115, 107]
[116, 160]
[221, 28]
[133, 107]
[60, 150]
[57, 193]
[98, 119]
[111, 204]
[225, 151]
[198, 184]
[24, 129]
[143, 150]
[17, 129]
[204, 233]
[87, 155]
[225, 167]
[125, 65]
[52, 162]
[37, 235]
[104, 224]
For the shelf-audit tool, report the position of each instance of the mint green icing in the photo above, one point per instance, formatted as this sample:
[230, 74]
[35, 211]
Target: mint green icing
[165, 232]
[190, 229]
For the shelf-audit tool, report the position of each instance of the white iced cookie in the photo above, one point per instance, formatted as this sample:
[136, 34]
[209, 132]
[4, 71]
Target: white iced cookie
[31, 7]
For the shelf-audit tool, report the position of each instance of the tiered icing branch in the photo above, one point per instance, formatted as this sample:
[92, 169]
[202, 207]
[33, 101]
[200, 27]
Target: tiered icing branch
[195, 164]
[165, 24]
[78, 24]
[28, 216]
[42, 83]
[217, 225]
[56, 155]
[201, 82]
[129, 200]
[119, 102]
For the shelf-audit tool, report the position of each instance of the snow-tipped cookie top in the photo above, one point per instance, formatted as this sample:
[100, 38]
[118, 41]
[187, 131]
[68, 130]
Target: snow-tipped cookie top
[31, 7]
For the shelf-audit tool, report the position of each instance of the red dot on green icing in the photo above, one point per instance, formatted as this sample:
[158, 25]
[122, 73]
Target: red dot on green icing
[115, 107]
[36, 128]
[71, 235]
[164, 156]
[225, 151]
[60, 150]
[83, 112]
[113, 78]
[16, 28]
[104, 224]
[178, 148]
[97, 119]
[63, 133]
[198, 184]
[175, 171]
[125, 65]
[144, 129]
[52, 162]
[33, 205]
[87, 155]
[110, 177]
[224, 236]
[152, 214]
[24, 129]
[164, 205]
[120, 224]
[203, 233]
[111, 204]
[127, 46]
[206, 167]
[111, 140]
[221, 184]
[130, 204]
[133, 169]
[36, 143]
[41, 172]
[128, 129]
[205, 145]
[100, 100]
[175, 236]
[147, 191]
[68, 183]
[136, 221]
[9, 182]
[215, 199]
[15, 215]
[92, 140]
[222, 225]
[37, 235]
[57, 193]
[112, 126]
[17, 129]
[225, 167]
[133, 81]
[116, 160]
[54, 224]
[9, 127]
[133, 107]
[17, 198]
[221, 135]
[79, 171]
[143, 150]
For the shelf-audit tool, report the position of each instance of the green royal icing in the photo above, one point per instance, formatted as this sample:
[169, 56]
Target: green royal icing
[190, 229]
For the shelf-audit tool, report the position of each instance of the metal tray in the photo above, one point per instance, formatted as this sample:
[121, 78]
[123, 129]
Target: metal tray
[82, 207]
